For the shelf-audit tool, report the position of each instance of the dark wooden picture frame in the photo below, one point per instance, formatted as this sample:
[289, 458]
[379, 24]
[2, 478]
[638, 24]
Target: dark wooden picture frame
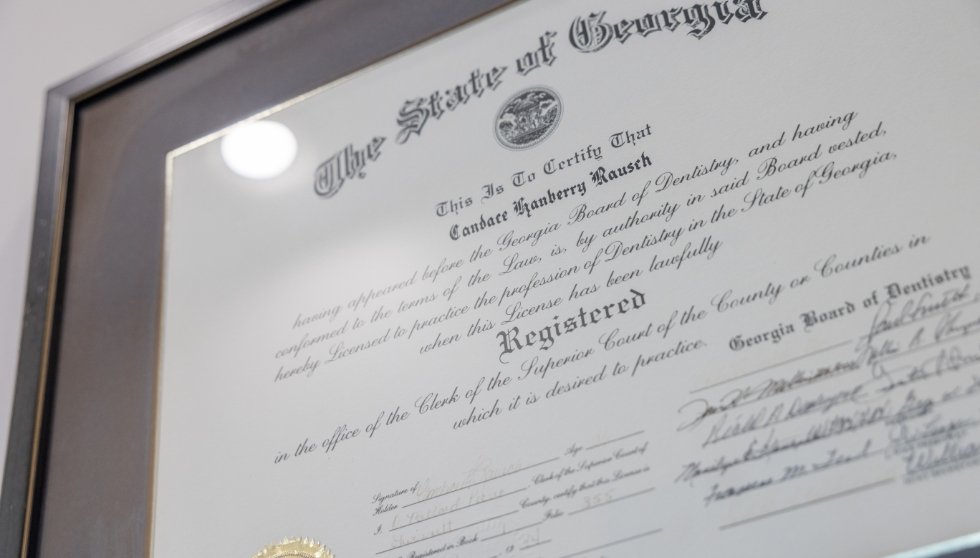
[80, 455]
[79, 460]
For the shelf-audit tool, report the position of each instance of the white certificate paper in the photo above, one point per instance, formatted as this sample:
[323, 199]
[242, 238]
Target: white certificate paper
[592, 279]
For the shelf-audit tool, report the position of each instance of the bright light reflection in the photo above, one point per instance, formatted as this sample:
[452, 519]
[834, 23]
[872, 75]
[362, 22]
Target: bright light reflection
[259, 150]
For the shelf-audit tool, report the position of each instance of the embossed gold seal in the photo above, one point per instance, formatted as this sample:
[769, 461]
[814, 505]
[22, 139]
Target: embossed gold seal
[295, 548]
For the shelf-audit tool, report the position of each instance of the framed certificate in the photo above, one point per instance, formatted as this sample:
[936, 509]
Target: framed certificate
[529, 279]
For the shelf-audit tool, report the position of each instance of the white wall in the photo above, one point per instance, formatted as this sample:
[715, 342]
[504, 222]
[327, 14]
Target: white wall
[45, 42]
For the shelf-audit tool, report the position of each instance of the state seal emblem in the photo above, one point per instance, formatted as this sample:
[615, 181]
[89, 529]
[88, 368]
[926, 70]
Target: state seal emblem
[528, 118]
[295, 548]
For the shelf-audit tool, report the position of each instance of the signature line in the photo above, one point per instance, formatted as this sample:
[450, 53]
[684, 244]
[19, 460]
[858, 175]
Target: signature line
[457, 509]
[530, 546]
[809, 502]
[613, 501]
[614, 440]
[929, 346]
[801, 357]
[481, 482]
[620, 541]
[535, 524]
[924, 317]
[449, 531]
